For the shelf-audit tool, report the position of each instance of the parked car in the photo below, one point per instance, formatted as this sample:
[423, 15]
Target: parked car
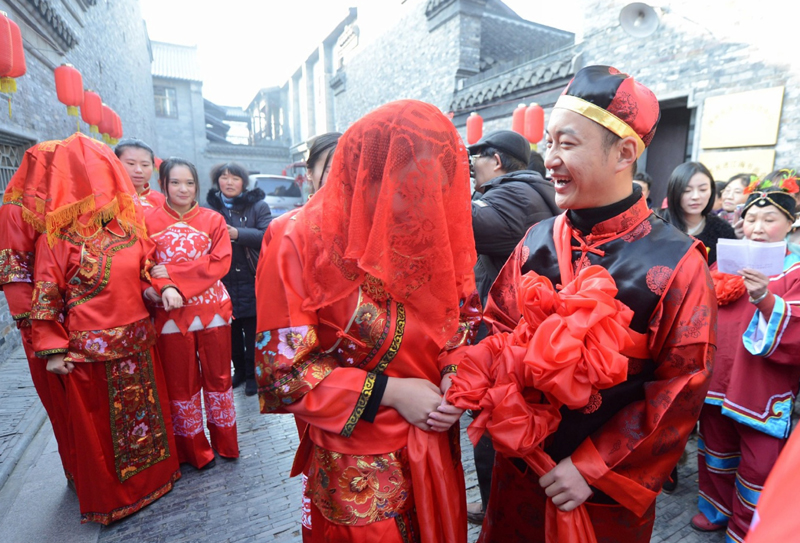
[282, 193]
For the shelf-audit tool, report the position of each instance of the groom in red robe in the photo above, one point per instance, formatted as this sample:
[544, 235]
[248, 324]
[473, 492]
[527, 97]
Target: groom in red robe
[613, 454]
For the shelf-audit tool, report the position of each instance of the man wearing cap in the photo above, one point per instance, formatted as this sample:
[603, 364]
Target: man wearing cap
[613, 453]
[509, 199]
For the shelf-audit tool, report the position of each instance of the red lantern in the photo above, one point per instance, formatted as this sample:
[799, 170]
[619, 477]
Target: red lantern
[107, 124]
[474, 128]
[12, 54]
[518, 120]
[116, 134]
[534, 123]
[69, 88]
[92, 110]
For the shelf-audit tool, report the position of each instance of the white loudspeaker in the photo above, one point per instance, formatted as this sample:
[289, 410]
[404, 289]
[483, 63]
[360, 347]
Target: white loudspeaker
[638, 19]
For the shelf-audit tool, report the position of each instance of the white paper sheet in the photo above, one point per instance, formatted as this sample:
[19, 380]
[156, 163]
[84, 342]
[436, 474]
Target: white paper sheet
[736, 254]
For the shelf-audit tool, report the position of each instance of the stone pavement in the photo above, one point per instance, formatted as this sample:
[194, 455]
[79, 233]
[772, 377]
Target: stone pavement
[248, 500]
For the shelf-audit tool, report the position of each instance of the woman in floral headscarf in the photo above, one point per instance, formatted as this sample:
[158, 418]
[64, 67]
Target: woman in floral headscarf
[90, 322]
[746, 418]
[367, 285]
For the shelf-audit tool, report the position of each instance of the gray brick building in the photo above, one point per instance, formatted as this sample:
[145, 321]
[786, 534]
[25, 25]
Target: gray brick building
[198, 130]
[107, 42]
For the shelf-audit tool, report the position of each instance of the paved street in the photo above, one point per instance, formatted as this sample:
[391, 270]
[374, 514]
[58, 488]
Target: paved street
[250, 499]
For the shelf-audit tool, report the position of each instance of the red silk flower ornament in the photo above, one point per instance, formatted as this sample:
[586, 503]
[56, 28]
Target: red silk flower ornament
[789, 183]
[12, 56]
[92, 110]
[728, 287]
[566, 346]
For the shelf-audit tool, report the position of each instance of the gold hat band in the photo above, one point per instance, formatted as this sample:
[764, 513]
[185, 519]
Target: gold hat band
[601, 117]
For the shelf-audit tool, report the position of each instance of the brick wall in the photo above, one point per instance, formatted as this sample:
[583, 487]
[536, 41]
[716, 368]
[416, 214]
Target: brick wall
[113, 57]
[408, 61]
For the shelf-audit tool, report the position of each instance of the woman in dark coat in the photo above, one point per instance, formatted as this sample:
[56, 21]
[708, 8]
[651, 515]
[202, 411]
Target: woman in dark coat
[247, 216]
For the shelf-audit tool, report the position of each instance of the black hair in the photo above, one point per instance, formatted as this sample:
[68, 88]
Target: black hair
[678, 181]
[536, 164]
[644, 177]
[231, 168]
[321, 144]
[133, 143]
[720, 186]
[743, 178]
[507, 162]
[166, 168]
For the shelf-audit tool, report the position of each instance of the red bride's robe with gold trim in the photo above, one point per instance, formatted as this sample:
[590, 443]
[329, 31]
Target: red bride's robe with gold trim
[321, 366]
[116, 394]
[17, 256]
[627, 438]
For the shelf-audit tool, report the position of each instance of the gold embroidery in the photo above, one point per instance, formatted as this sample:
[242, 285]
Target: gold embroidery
[48, 352]
[15, 266]
[396, 341]
[452, 368]
[361, 405]
[357, 490]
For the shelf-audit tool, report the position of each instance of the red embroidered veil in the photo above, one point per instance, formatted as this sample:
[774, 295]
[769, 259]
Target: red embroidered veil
[396, 205]
[76, 183]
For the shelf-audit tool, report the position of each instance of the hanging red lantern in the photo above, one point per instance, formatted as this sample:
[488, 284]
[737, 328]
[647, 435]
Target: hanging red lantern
[534, 123]
[92, 110]
[474, 128]
[518, 120]
[69, 88]
[107, 124]
[116, 134]
[12, 54]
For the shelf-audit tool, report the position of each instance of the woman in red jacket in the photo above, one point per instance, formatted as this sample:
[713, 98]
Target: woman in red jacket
[193, 253]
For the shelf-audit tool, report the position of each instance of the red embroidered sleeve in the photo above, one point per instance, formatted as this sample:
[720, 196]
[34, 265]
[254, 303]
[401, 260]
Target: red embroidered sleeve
[48, 302]
[633, 453]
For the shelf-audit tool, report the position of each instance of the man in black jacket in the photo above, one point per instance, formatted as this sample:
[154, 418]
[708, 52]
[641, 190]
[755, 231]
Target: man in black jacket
[508, 200]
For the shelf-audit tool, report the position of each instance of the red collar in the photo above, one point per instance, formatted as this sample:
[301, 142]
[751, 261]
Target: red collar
[193, 211]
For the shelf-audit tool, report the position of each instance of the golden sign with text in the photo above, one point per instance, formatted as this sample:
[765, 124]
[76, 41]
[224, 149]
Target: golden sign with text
[726, 164]
[744, 119]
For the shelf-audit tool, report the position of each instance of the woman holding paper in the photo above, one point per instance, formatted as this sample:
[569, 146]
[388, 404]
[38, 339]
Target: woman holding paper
[746, 417]
[690, 199]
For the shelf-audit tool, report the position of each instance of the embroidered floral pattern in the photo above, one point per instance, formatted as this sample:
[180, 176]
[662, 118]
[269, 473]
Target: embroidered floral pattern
[359, 490]
[468, 322]
[294, 343]
[643, 229]
[280, 380]
[48, 302]
[111, 343]
[220, 409]
[658, 278]
[15, 266]
[181, 243]
[138, 431]
[187, 416]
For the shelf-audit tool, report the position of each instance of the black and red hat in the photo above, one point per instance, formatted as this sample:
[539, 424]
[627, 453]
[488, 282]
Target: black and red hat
[615, 101]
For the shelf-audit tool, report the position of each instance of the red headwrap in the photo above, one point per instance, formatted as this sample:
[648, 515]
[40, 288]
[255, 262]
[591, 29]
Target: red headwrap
[77, 184]
[396, 205]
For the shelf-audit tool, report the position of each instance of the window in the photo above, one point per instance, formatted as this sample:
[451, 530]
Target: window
[166, 102]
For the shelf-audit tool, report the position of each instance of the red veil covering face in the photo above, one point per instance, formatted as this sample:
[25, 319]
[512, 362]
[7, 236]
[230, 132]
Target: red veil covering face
[77, 183]
[396, 205]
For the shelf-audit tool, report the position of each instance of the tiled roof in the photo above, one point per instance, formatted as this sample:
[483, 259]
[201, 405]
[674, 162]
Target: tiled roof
[505, 38]
[174, 61]
[525, 77]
